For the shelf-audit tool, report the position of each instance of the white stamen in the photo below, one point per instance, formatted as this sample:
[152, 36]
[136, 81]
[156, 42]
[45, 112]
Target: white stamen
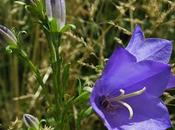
[123, 96]
[139, 92]
[131, 113]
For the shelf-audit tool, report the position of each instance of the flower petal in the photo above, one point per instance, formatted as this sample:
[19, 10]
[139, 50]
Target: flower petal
[56, 9]
[48, 8]
[152, 117]
[154, 49]
[152, 75]
[136, 40]
[59, 12]
[156, 114]
[120, 58]
[171, 82]
[149, 49]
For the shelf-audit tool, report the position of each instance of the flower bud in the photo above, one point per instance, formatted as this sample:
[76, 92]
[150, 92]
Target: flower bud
[32, 1]
[6, 36]
[30, 121]
[56, 9]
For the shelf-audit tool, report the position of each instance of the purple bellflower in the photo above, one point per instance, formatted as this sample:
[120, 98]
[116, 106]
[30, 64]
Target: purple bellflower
[126, 96]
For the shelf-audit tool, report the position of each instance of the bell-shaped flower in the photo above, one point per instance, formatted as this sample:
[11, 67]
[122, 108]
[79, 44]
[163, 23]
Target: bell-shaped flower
[155, 49]
[127, 95]
[6, 36]
[56, 9]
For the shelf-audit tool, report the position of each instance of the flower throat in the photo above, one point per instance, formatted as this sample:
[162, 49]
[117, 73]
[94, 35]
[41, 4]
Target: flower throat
[110, 104]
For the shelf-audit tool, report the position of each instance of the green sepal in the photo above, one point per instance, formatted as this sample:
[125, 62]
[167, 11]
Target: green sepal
[10, 48]
[36, 9]
[20, 3]
[86, 112]
[53, 25]
[68, 27]
[84, 96]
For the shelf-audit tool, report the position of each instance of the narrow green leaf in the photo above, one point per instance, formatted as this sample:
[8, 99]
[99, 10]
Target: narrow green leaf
[65, 75]
[81, 98]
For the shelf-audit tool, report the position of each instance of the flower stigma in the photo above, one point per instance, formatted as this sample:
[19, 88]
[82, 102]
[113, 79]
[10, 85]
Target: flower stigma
[112, 103]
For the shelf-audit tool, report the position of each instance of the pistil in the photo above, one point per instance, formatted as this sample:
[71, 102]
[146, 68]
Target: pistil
[123, 96]
[131, 113]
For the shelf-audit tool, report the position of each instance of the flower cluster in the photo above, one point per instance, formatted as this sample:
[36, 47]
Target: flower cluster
[127, 95]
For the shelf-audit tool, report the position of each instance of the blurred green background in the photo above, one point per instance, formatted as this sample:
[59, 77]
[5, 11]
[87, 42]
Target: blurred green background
[101, 24]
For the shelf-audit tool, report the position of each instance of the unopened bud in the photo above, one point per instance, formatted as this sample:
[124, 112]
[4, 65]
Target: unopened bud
[56, 9]
[6, 36]
[30, 121]
[32, 1]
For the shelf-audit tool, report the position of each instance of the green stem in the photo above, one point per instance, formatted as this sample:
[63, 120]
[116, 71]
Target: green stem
[14, 79]
[56, 67]
[21, 53]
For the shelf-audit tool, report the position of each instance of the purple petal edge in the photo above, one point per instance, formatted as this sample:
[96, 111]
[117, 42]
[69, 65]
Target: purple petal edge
[155, 49]
[119, 58]
[171, 82]
[136, 39]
